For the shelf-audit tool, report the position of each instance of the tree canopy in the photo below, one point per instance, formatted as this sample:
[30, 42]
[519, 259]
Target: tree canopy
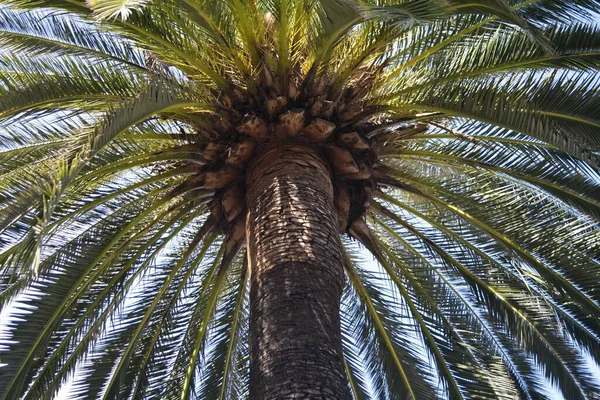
[483, 214]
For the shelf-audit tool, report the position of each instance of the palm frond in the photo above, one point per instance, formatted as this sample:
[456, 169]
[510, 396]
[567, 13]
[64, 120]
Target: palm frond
[107, 9]
[470, 130]
[399, 363]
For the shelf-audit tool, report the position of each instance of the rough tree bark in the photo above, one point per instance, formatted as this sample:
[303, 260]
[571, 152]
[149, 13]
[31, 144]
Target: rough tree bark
[296, 277]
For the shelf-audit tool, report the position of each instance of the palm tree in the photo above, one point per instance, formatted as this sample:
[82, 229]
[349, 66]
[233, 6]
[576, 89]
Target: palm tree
[187, 188]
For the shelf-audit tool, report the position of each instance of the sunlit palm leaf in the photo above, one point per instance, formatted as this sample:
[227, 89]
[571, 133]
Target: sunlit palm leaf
[483, 214]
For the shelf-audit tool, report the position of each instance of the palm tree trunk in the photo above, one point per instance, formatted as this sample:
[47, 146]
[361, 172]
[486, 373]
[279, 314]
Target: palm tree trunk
[297, 277]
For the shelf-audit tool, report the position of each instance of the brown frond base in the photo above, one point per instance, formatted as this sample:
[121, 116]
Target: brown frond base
[336, 124]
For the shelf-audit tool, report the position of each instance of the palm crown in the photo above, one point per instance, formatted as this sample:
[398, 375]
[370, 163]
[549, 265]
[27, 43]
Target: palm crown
[463, 142]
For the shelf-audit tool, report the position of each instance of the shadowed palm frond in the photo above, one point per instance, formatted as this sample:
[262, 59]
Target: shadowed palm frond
[468, 187]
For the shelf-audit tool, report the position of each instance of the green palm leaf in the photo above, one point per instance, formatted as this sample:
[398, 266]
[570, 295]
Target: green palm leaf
[459, 142]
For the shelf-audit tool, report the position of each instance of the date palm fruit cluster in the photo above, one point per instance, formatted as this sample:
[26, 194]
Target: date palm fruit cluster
[337, 123]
